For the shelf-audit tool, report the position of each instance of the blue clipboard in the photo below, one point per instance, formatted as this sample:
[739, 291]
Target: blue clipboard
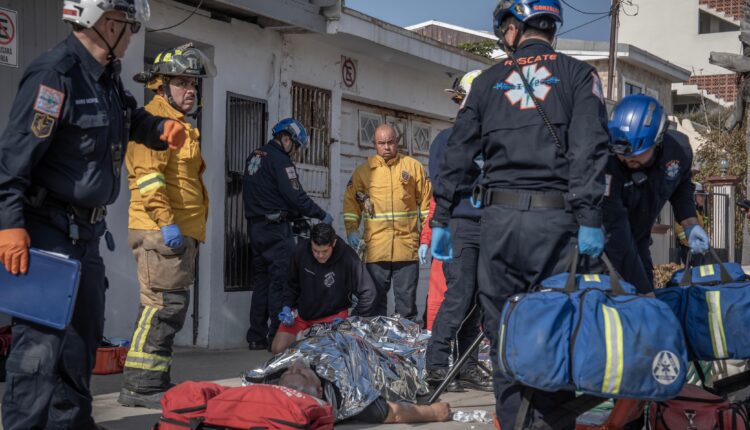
[46, 294]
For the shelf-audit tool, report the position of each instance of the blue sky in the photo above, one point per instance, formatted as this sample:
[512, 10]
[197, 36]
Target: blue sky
[477, 14]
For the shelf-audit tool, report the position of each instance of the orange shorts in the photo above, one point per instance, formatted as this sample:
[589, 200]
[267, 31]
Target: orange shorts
[300, 324]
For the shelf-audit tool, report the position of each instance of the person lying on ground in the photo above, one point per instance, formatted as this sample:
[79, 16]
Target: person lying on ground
[302, 378]
[325, 275]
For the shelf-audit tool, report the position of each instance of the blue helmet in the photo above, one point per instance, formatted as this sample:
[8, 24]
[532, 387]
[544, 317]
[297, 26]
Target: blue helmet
[637, 124]
[526, 10]
[295, 129]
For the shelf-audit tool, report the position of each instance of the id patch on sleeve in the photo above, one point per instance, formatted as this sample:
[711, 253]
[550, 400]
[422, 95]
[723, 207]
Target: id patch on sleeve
[607, 185]
[291, 173]
[49, 101]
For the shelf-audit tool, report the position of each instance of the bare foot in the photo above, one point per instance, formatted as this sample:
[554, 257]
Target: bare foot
[442, 411]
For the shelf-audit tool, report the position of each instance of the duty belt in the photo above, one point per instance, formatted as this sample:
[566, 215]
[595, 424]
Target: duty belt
[90, 215]
[274, 218]
[522, 200]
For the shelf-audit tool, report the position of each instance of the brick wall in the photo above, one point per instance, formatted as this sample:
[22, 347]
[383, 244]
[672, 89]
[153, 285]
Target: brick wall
[721, 86]
[729, 7]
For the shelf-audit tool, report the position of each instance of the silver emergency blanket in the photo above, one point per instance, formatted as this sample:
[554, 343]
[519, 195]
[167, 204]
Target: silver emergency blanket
[364, 358]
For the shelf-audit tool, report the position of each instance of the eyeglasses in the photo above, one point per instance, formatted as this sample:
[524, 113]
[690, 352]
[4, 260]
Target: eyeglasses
[135, 26]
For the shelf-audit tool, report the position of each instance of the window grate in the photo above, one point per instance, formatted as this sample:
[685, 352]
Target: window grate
[312, 107]
[245, 132]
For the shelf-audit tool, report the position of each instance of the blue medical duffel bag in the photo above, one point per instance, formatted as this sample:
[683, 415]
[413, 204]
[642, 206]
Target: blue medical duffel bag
[592, 334]
[713, 304]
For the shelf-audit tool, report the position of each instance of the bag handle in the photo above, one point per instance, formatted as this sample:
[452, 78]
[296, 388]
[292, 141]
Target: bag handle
[687, 277]
[614, 277]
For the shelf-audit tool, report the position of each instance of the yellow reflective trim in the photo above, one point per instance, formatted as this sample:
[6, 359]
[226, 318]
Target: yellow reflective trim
[716, 325]
[707, 270]
[178, 52]
[139, 329]
[150, 187]
[149, 177]
[502, 339]
[158, 57]
[351, 216]
[390, 216]
[147, 356]
[145, 365]
[592, 278]
[614, 347]
[144, 326]
[167, 57]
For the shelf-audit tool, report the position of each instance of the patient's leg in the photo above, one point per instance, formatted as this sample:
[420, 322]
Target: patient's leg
[401, 413]
[282, 341]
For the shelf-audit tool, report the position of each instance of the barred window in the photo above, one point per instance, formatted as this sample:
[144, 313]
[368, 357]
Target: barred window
[312, 107]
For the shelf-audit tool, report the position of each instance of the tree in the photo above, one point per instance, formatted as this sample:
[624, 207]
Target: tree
[483, 48]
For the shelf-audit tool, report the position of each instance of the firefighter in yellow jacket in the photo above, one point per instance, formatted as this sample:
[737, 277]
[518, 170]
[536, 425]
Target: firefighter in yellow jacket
[167, 220]
[391, 193]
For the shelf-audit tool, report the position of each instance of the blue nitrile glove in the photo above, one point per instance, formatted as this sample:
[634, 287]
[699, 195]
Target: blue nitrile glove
[423, 253]
[442, 244]
[286, 316]
[328, 219]
[353, 239]
[172, 236]
[697, 239]
[336, 321]
[590, 241]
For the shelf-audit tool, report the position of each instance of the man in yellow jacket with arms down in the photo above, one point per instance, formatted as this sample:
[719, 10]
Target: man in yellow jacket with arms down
[391, 193]
[167, 220]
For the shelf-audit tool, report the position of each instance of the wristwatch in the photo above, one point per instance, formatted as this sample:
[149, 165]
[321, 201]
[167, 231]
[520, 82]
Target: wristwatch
[437, 224]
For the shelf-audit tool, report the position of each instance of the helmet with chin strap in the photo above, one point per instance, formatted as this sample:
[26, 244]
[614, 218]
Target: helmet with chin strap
[541, 14]
[638, 124]
[185, 60]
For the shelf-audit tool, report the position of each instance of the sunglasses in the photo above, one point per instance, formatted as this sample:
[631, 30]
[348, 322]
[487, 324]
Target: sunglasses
[135, 26]
[622, 147]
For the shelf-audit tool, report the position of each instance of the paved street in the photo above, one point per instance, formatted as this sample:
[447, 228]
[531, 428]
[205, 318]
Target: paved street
[224, 367]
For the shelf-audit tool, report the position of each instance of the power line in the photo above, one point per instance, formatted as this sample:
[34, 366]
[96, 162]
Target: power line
[179, 23]
[585, 12]
[585, 24]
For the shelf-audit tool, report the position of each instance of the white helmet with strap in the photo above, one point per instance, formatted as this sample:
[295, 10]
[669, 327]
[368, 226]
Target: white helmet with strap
[87, 12]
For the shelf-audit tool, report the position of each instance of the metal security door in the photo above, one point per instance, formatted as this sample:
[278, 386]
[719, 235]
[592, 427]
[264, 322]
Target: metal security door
[245, 132]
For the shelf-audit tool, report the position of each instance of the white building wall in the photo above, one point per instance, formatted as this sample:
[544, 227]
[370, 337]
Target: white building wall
[669, 29]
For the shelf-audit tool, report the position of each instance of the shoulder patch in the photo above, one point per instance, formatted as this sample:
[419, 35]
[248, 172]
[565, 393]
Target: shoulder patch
[596, 86]
[49, 101]
[42, 125]
[253, 164]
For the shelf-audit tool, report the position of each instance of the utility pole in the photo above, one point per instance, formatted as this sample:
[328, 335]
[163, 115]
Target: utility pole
[614, 14]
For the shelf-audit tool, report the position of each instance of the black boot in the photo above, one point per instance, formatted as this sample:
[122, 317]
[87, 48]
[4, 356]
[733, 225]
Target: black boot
[435, 377]
[474, 378]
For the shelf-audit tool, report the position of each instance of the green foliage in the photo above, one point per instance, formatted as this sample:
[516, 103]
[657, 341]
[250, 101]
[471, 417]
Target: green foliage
[733, 147]
[483, 48]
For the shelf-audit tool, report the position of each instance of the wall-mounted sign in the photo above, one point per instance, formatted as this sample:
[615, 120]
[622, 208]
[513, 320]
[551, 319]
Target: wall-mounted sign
[8, 37]
[349, 73]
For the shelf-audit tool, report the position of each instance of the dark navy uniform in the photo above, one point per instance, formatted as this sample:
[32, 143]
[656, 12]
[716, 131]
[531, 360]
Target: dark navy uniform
[538, 194]
[461, 272]
[60, 161]
[273, 196]
[634, 199]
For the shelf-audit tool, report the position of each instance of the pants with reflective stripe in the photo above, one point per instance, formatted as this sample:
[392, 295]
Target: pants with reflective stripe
[48, 370]
[518, 249]
[165, 277]
[461, 277]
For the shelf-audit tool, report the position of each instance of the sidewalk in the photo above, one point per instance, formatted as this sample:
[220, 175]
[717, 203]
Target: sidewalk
[225, 367]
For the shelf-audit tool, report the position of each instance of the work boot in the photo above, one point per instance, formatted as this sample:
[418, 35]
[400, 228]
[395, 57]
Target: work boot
[132, 399]
[258, 346]
[473, 377]
[435, 377]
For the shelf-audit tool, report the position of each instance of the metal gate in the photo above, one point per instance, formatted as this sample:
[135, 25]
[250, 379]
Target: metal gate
[718, 222]
[246, 126]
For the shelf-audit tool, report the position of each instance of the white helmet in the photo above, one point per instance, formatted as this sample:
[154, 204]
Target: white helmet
[462, 87]
[87, 12]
